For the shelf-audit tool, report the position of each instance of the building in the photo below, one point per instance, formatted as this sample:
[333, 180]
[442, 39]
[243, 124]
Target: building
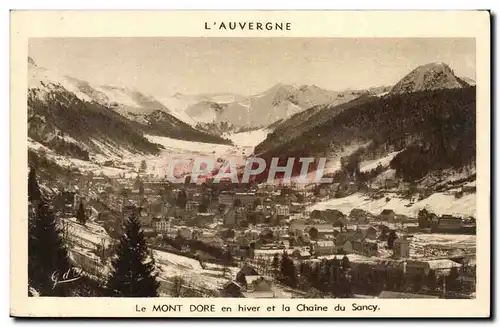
[279, 231]
[368, 232]
[198, 197]
[245, 271]
[149, 233]
[469, 188]
[226, 233]
[210, 239]
[129, 210]
[69, 201]
[448, 223]
[226, 198]
[145, 218]
[390, 183]
[282, 210]
[229, 217]
[247, 198]
[231, 289]
[359, 216]
[346, 248]
[192, 206]
[331, 216]
[323, 230]
[301, 254]
[350, 236]
[297, 226]
[365, 247]
[402, 248]
[440, 266]
[203, 219]
[185, 232]
[387, 215]
[324, 248]
[163, 224]
[322, 191]
[296, 207]
[257, 284]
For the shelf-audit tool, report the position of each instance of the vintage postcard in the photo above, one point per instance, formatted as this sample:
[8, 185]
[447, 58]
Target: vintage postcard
[250, 164]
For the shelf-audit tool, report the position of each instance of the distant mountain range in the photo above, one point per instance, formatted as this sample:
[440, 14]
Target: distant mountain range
[275, 104]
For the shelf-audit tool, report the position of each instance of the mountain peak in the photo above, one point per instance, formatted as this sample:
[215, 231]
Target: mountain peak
[431, 76]
[291, 87]
[436, 64]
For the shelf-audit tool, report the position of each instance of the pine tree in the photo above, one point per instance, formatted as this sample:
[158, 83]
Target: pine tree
[34, 193]
[133, 269]
[345, 263]
[80, 214]
[276, 266]
[432, 281]
[288, 270]
[452, 280]
[391, 238]
[237, 203]
[47, 255]
[227, 259]
[181, 199]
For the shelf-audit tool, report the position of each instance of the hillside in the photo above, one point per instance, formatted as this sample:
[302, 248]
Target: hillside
[432, 130]
[61, 121]
[289, 129]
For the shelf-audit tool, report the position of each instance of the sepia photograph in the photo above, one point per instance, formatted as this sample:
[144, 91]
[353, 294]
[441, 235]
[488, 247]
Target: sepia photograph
[252, 168]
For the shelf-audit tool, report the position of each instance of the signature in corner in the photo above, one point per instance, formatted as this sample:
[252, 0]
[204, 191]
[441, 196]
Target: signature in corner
[71, 275]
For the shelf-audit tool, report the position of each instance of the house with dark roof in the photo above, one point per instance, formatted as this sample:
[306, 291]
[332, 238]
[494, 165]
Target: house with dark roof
[245, 271]
[365, 247]
[387, 215]
[301, 254]
[359, 216]
[258, 287]
[368, 232]
[231, 289]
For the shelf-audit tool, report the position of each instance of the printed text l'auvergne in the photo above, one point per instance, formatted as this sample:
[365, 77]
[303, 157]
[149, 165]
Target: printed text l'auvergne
[249, 26]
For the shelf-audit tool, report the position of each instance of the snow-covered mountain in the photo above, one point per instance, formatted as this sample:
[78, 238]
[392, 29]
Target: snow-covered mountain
[432, 76]
[77, 119]
[130, 103]
[277, 103]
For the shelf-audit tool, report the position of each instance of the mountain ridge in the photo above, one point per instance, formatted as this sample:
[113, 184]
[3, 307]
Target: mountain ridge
[77, 119]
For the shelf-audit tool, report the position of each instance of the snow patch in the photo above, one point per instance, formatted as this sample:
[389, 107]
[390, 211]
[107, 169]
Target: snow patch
[249, 139]
[372, 164]
[439, 203]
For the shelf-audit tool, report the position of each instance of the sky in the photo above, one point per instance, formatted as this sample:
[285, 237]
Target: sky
[165, 66]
